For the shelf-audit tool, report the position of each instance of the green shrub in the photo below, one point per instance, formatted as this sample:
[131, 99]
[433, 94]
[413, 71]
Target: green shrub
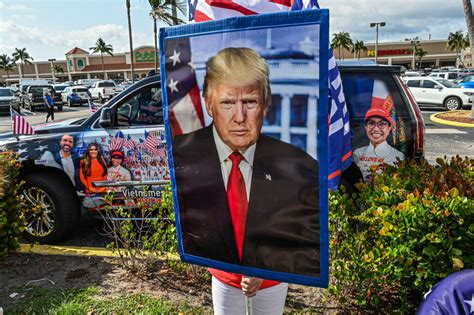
[409, 228]
[12, 222]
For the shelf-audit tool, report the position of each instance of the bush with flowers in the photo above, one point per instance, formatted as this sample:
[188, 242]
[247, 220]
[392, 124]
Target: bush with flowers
[409, 228]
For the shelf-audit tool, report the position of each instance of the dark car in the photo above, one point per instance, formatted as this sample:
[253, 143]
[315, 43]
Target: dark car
[130, 118]
[8, 100]
[33, 98]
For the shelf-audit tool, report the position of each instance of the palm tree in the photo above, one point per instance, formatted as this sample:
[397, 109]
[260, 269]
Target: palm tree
[22, 56]
[470, 33]
[7, 64]
[341, 40]
[102, 48]
[358, 47]
[58, 69]
[420, 53]
[132, 67]
[160, 10]
[457, 42]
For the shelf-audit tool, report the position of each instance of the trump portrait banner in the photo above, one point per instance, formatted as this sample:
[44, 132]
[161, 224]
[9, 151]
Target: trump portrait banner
[245, 101]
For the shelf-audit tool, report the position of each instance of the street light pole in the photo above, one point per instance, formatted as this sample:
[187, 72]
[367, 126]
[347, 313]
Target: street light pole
[376, 25]
[51, 61]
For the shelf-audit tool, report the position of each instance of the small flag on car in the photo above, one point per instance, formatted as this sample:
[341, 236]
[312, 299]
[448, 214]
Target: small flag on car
[20, 125]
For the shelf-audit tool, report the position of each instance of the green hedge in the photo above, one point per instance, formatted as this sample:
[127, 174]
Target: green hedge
[406, 230]
[11, 211]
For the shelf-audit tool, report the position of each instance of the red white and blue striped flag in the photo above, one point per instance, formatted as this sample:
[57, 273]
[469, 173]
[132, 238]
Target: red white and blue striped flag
[340, 134]
[20, 125]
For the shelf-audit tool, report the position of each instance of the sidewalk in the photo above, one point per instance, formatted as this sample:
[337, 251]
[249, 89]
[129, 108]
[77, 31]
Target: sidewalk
[459, 118]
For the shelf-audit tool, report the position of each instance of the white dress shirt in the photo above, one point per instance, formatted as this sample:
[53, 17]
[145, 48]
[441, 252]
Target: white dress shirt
[246, 165]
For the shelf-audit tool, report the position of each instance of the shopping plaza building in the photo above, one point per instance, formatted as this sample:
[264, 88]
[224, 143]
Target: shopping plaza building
[80, 64]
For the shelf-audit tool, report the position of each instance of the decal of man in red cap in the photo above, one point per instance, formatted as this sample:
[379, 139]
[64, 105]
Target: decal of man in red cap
[378, 125]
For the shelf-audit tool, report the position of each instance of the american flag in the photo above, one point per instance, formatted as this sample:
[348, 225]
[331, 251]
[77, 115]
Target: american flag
[340, 134]
[185, 110]
[20, 125]
[160, 152]
[92, 107]
[117, 142]
[151, 142]
[129, 143]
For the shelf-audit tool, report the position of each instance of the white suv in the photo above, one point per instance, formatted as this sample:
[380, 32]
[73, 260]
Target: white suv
[439, 92]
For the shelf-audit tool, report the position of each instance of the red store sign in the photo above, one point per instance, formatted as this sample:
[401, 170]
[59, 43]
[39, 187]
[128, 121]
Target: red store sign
[389, 52]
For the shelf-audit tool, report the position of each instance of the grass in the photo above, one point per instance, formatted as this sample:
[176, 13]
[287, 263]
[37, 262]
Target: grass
[90, 301]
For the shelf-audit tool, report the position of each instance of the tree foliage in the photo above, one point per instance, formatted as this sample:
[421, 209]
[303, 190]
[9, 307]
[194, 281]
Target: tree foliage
[7, 64]
[103, 48]
[162, 10]
[21, 55]
[341, 40]
[358, 47]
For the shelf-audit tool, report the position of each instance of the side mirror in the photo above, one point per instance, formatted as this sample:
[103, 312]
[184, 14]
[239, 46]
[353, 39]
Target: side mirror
[105, 120]
[439, 87]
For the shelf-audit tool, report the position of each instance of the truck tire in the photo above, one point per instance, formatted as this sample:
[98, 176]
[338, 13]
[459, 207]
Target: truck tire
[53, 208]
[60, 108]
[452, 103]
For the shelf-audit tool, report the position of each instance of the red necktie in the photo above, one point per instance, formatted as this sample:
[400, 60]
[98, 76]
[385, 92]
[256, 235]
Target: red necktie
[237, 199]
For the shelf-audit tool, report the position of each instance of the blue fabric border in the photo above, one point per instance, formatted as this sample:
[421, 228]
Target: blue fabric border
[307, 17]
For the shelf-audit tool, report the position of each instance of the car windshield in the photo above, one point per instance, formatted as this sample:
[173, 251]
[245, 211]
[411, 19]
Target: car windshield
[447, 83]
[6, 92]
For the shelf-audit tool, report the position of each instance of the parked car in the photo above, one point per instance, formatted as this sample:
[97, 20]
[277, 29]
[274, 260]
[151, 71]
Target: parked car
[104, 90]
[7, 100]
[73, 95]
[451, 76]
[136, 114]
[466, 81]
[428, 91]
[34, 97]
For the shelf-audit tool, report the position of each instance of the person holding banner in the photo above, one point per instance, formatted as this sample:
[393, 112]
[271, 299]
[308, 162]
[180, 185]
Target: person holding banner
[246, 198]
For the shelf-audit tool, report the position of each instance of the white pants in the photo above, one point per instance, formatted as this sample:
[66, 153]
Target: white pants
[228, 300]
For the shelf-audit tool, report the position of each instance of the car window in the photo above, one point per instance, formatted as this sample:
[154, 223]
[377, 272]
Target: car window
[364, 90]
[142, 108]
[452, 75]
[414, 83]
[79, 90]
[59, 88]
[428, 84]
[447, 83]
[6, 92]
[106, 84]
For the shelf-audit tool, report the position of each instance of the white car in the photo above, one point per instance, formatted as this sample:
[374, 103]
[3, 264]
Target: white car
[430, 92]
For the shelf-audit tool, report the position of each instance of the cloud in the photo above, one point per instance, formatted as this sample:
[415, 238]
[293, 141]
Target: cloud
[14, 35]
[404, 18]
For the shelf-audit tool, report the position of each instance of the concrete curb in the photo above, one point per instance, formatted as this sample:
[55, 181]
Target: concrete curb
[434, 118]
[78, 251]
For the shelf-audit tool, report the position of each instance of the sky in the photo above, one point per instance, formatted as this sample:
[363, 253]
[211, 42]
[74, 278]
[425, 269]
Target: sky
[50, 28]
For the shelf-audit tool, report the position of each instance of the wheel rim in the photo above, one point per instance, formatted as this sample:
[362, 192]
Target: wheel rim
[452, 104]
[40, 219]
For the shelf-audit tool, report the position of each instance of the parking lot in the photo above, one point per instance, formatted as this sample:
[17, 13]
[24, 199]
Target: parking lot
[38, 116]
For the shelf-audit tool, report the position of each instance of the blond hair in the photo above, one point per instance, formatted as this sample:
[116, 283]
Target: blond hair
[241, 67]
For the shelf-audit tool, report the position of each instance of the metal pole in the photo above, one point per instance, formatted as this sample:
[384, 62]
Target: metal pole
[127, 3]
[376, 41]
